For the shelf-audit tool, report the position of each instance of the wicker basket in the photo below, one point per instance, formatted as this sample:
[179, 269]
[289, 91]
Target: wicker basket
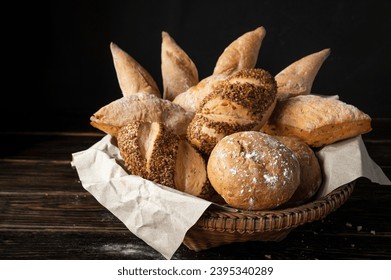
[223, 225]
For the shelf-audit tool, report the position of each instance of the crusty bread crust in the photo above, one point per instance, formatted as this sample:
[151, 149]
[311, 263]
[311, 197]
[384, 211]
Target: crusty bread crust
[298, 77]
[316, 120]
[141, 107]
[253, 171]
[242, 102]
[132, 77]
[310, 171]
[241, 53]
[179, 72]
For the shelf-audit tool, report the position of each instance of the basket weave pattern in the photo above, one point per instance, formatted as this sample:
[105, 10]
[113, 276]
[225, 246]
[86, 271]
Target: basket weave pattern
[222, 225]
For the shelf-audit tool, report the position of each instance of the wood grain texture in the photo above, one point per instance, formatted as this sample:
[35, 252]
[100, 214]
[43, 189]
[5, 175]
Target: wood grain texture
[45, 213]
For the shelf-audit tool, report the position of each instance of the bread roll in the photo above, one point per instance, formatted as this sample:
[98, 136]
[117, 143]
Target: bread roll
[316, 120]
[253, 171]
[243, 102]
[310, 172]
[141, 107]
[298, 77]
[132, 77]
[141, 146]
[191, 99]
[241, 53]
[154, 152]
[179, 73]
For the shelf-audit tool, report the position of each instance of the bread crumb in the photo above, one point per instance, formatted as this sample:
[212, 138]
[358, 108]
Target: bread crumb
[373, 232]
[268, 257]
[359, 228]
[348, 224]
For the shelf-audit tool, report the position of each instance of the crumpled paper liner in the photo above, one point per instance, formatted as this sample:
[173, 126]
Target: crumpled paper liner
[161, 216]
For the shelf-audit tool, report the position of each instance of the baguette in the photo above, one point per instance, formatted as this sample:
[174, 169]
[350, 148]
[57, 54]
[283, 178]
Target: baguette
[179, 72]
[298, 77]
[132, 77]
[241, 53]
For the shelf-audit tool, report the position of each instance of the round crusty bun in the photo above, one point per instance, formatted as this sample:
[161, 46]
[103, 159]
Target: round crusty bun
[253, 171]
[310, 172]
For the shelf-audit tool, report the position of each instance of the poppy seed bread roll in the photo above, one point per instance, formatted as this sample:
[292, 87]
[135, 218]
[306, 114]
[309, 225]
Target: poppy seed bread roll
[244, 101]
[253, 171]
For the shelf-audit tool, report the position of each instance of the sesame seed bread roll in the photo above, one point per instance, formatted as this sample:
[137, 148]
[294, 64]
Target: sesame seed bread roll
[241, 53]
[141, 107]
[132, 77]
[310, 171]
[156, 153]
[253, 171]
[179, 73]
[191, 99]
[242, 102]
[316, 120]
[298, 77]
[149, 150]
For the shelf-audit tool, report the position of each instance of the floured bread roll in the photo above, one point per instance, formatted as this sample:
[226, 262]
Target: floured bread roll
[316, 120]
[179, 73]
[141, 107]
[310, 172]
[243, 102]
[297, 78]
[253, 171]
[132, 77]
[154, 152]
[240, 54]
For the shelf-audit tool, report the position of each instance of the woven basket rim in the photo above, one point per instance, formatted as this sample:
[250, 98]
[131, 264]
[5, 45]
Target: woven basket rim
[228, 219]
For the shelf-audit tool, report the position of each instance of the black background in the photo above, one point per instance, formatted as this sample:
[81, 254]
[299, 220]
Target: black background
[59, 67]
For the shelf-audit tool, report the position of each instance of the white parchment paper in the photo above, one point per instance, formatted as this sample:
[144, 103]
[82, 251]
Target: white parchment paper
[161, 216]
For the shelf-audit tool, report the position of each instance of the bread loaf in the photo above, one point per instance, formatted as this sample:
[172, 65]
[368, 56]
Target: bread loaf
[141, 107]
[241, 53]
[310, 172]
[243, 102]
[191, 99]
[179, 73]
[132, 77]
[156, 153]
[298, 77]
[316, 120]
[253, 171]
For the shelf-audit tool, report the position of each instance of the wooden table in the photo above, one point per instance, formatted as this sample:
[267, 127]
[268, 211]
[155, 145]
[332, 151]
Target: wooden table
[45, 213]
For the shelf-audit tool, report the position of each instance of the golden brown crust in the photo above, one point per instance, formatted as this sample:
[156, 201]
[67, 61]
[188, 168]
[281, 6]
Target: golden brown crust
[132, 77]
[190, 172]
[253, 171]
[310, 172]
[179, 72]
[242, 102]
[298, 77]
[141, 146]
[316, 120]
[140, 107]
[241, 53]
